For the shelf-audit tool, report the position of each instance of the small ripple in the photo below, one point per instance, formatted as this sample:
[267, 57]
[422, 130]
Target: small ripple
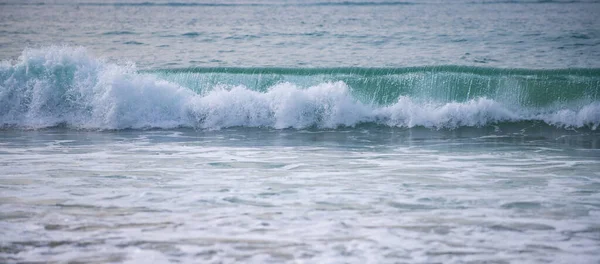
[236, 200]
[119, 33]
[521, 227]
[522, 205]
[133, 43]
[191, 34]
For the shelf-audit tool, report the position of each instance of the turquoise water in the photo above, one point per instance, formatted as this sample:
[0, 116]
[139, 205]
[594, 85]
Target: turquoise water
[299, 131]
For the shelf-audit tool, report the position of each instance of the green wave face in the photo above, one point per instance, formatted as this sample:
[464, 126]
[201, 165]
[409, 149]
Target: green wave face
[66, 86]
[517, 87]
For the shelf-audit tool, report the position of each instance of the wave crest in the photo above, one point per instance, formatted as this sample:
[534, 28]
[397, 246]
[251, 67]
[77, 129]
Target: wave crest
[66, 86]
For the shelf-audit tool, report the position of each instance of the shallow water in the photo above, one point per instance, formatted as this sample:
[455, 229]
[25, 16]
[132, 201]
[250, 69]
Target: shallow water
[258, 195]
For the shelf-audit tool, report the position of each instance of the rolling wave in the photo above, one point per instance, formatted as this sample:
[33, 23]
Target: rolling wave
[65, 86]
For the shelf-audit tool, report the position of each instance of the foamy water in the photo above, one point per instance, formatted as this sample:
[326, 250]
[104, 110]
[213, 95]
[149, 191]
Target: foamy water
[66, 86]
[367, 195]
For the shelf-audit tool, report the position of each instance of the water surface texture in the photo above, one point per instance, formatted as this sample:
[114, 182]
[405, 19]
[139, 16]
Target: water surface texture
[313, 33]
[299, 131]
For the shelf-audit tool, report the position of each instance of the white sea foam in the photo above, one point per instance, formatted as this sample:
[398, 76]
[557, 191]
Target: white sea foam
[66, 86]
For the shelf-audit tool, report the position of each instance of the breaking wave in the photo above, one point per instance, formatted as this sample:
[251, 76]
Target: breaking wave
[66, 86]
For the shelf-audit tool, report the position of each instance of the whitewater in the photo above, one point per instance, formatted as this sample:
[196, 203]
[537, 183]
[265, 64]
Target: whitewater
[65, 86]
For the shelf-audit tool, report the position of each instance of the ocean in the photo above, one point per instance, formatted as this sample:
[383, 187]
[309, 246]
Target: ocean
[288, 131]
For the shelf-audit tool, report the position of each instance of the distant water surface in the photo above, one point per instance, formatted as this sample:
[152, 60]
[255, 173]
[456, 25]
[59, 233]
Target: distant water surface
[321, 33]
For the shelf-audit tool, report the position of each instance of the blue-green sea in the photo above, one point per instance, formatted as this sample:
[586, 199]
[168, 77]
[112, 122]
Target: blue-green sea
[289, 131]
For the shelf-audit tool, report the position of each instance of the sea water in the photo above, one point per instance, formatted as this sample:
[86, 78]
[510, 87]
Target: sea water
[300, 131]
